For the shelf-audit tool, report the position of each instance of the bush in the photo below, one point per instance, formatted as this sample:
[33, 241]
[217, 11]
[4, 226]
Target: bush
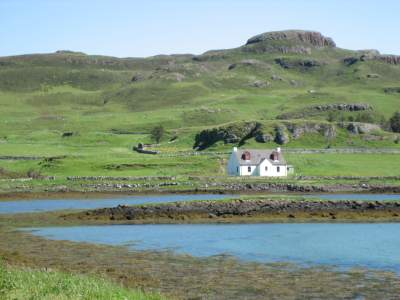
[34, 174]
[395, 122]
[157, 133]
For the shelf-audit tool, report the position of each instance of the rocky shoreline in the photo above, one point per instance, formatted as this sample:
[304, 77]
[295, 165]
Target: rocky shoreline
[258, 209]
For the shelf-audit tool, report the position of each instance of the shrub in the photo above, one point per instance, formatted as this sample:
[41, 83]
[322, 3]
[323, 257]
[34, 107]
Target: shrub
[395, 122]
[157, 133]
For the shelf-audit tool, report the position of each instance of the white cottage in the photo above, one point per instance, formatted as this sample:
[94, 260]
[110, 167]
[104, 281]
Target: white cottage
[258, 163]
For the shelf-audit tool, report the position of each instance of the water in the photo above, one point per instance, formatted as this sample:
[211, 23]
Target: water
[41, 205]
[343, 245]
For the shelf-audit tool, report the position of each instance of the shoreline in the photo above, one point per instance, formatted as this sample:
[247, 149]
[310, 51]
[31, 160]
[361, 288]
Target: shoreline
[78, 195]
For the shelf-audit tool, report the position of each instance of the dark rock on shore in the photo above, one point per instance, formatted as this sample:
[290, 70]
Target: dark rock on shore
[257, 207]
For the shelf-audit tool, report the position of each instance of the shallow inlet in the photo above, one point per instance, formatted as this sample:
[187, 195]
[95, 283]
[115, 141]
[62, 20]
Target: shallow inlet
[374, 246]
[42, 205]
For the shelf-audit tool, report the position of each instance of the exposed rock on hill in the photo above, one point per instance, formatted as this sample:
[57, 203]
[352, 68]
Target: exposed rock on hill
[298, 130]
[230, 134]
[390, 59]
[392, 90]
[306, 64]
[361, 128]
[301, 37]
[318, 109]
[343, 106]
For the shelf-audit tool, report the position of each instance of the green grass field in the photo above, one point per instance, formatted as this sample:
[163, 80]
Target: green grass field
[111, 104]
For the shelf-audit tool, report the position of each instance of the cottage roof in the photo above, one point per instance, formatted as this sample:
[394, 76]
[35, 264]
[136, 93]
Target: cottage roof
[258, 156]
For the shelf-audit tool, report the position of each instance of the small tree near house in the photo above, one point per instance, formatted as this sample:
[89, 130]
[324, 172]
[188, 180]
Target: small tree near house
[157, 133]
[395, 122]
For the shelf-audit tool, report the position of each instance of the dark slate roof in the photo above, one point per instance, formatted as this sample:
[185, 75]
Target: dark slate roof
[257, 156]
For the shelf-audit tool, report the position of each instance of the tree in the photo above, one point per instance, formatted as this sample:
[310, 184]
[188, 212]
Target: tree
[395, 122]
[157, 133]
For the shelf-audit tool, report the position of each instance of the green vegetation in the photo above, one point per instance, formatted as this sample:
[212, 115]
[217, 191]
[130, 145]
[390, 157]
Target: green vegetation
[395, 122]
[23, 283]
[81, 114]
[157, 133]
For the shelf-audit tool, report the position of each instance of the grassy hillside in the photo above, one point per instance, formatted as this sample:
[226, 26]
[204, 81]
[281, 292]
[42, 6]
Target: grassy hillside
[93, 109]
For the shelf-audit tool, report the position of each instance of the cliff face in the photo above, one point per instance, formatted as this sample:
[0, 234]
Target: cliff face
[299, 37]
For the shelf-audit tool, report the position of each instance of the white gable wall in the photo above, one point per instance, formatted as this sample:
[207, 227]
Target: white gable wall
[266, 168]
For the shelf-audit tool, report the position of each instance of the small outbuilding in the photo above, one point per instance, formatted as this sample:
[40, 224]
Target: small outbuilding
[268, 163]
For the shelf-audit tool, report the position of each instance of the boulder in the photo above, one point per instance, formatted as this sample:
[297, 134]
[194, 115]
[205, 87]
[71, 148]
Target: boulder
[276, 78]
[259, 84]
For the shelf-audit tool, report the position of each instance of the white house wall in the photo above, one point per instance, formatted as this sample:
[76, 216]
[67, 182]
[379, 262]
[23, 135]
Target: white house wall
[244, 171]
[234, 169]
[272, 170]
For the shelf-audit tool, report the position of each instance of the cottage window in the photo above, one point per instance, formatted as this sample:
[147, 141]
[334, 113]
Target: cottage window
[249, 169]
[266, 168]
[278, 169]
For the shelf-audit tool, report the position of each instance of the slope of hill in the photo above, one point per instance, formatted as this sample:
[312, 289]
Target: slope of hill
[295, 88]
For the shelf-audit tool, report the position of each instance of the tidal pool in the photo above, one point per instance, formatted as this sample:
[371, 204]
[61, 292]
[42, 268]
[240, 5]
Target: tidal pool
[345, 245]
[41, 205]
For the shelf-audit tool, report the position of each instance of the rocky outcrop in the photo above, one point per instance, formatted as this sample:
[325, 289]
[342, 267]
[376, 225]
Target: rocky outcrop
[361, 128]
[300, 129]
[304, 65]
[230, 134]
[318, 109]
[343, 107]
[392, 90]
[297, 37]
[390, 59]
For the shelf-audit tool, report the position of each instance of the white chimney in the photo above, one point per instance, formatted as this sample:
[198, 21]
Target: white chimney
[234, 149]
[278, 149]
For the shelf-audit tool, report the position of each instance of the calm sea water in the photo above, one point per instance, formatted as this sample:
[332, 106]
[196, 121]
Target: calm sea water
[40, 205]
[343, 245]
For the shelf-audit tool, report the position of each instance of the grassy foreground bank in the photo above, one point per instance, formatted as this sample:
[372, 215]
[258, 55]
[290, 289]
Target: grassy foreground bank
[23, 283]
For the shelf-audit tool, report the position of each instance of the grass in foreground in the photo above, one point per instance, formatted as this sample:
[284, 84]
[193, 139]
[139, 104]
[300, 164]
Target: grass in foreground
[18, 283]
